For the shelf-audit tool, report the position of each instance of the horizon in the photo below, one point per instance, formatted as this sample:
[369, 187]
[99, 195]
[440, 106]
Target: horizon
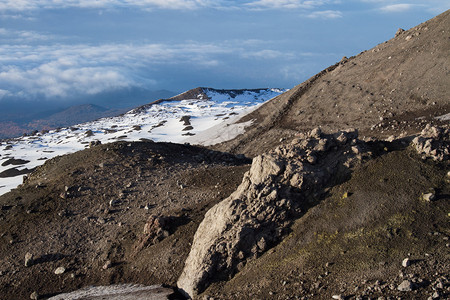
[76, 50]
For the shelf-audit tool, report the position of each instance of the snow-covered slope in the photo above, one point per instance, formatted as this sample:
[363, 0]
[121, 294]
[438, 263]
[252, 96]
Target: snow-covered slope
[171, 120]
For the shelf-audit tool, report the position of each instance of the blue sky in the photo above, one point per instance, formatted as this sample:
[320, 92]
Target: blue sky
[54, 49]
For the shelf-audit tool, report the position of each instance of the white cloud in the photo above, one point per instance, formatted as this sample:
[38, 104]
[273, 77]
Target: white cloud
[3, 93]
[29, 5]
[21, 36]
[23, 5]
[286, 4]
[401, 7]
[26, 5]
[267, 54]
[396, 6]
[16, 5]
[54, 79]
[325, 14]
[65, 70]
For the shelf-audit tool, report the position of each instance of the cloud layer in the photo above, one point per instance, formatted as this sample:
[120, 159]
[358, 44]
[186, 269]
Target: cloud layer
[22, 5]
[63, 70]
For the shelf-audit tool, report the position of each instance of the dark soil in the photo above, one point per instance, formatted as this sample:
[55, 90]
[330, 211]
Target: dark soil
[62, 215]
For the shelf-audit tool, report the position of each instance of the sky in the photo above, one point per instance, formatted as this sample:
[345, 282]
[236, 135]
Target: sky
[57, 49]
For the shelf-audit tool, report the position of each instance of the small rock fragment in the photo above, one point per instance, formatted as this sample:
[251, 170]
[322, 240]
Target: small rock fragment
[107, 265]
[34, 296]
[60, 270]
[428, 197]
[440, 284]
[315, 133]
[355, 149]
[435, 295]
[399, 32]
[406, 286]
[114, 202]
[94, 143]
[28, 259]
[406, 262]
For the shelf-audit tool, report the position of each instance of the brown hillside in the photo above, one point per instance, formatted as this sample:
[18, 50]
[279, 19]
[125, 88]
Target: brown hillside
[381, 92]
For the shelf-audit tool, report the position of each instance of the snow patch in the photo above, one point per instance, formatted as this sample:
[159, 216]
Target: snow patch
[118, 292]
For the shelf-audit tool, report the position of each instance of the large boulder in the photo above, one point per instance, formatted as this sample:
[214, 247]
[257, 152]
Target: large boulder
[279, 185]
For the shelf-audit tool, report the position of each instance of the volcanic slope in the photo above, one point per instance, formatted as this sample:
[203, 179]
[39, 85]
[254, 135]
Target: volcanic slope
[123, 212]
[381, 92]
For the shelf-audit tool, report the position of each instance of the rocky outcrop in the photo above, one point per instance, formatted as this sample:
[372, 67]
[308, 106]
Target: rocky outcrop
[433, 142]
[279, 186]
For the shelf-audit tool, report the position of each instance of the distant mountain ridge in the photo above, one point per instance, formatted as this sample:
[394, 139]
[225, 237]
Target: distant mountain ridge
[23, 117]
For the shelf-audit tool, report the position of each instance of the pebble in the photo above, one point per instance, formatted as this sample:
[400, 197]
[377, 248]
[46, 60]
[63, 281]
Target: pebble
[28, 259]
[435, 295]
[60, 270]
[440, 285]
[428, 197]
[114, 202]
[406, 262]
[338, 297]
[34, 296]
[107, 265]
[355, 149]
[406, 286]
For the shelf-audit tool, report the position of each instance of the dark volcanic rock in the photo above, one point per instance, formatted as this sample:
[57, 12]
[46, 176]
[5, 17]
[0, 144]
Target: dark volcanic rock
[13, 161]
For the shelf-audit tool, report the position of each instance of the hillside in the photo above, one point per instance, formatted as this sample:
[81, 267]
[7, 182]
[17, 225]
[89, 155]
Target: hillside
[321, 211]
[383, 91]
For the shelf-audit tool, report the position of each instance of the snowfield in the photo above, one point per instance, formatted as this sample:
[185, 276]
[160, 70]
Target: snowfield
[197, 121]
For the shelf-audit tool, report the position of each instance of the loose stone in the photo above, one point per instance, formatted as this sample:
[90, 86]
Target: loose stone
[406, 286]
[406, 262]
[28, 259]
[34, 296]
[60, 270]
